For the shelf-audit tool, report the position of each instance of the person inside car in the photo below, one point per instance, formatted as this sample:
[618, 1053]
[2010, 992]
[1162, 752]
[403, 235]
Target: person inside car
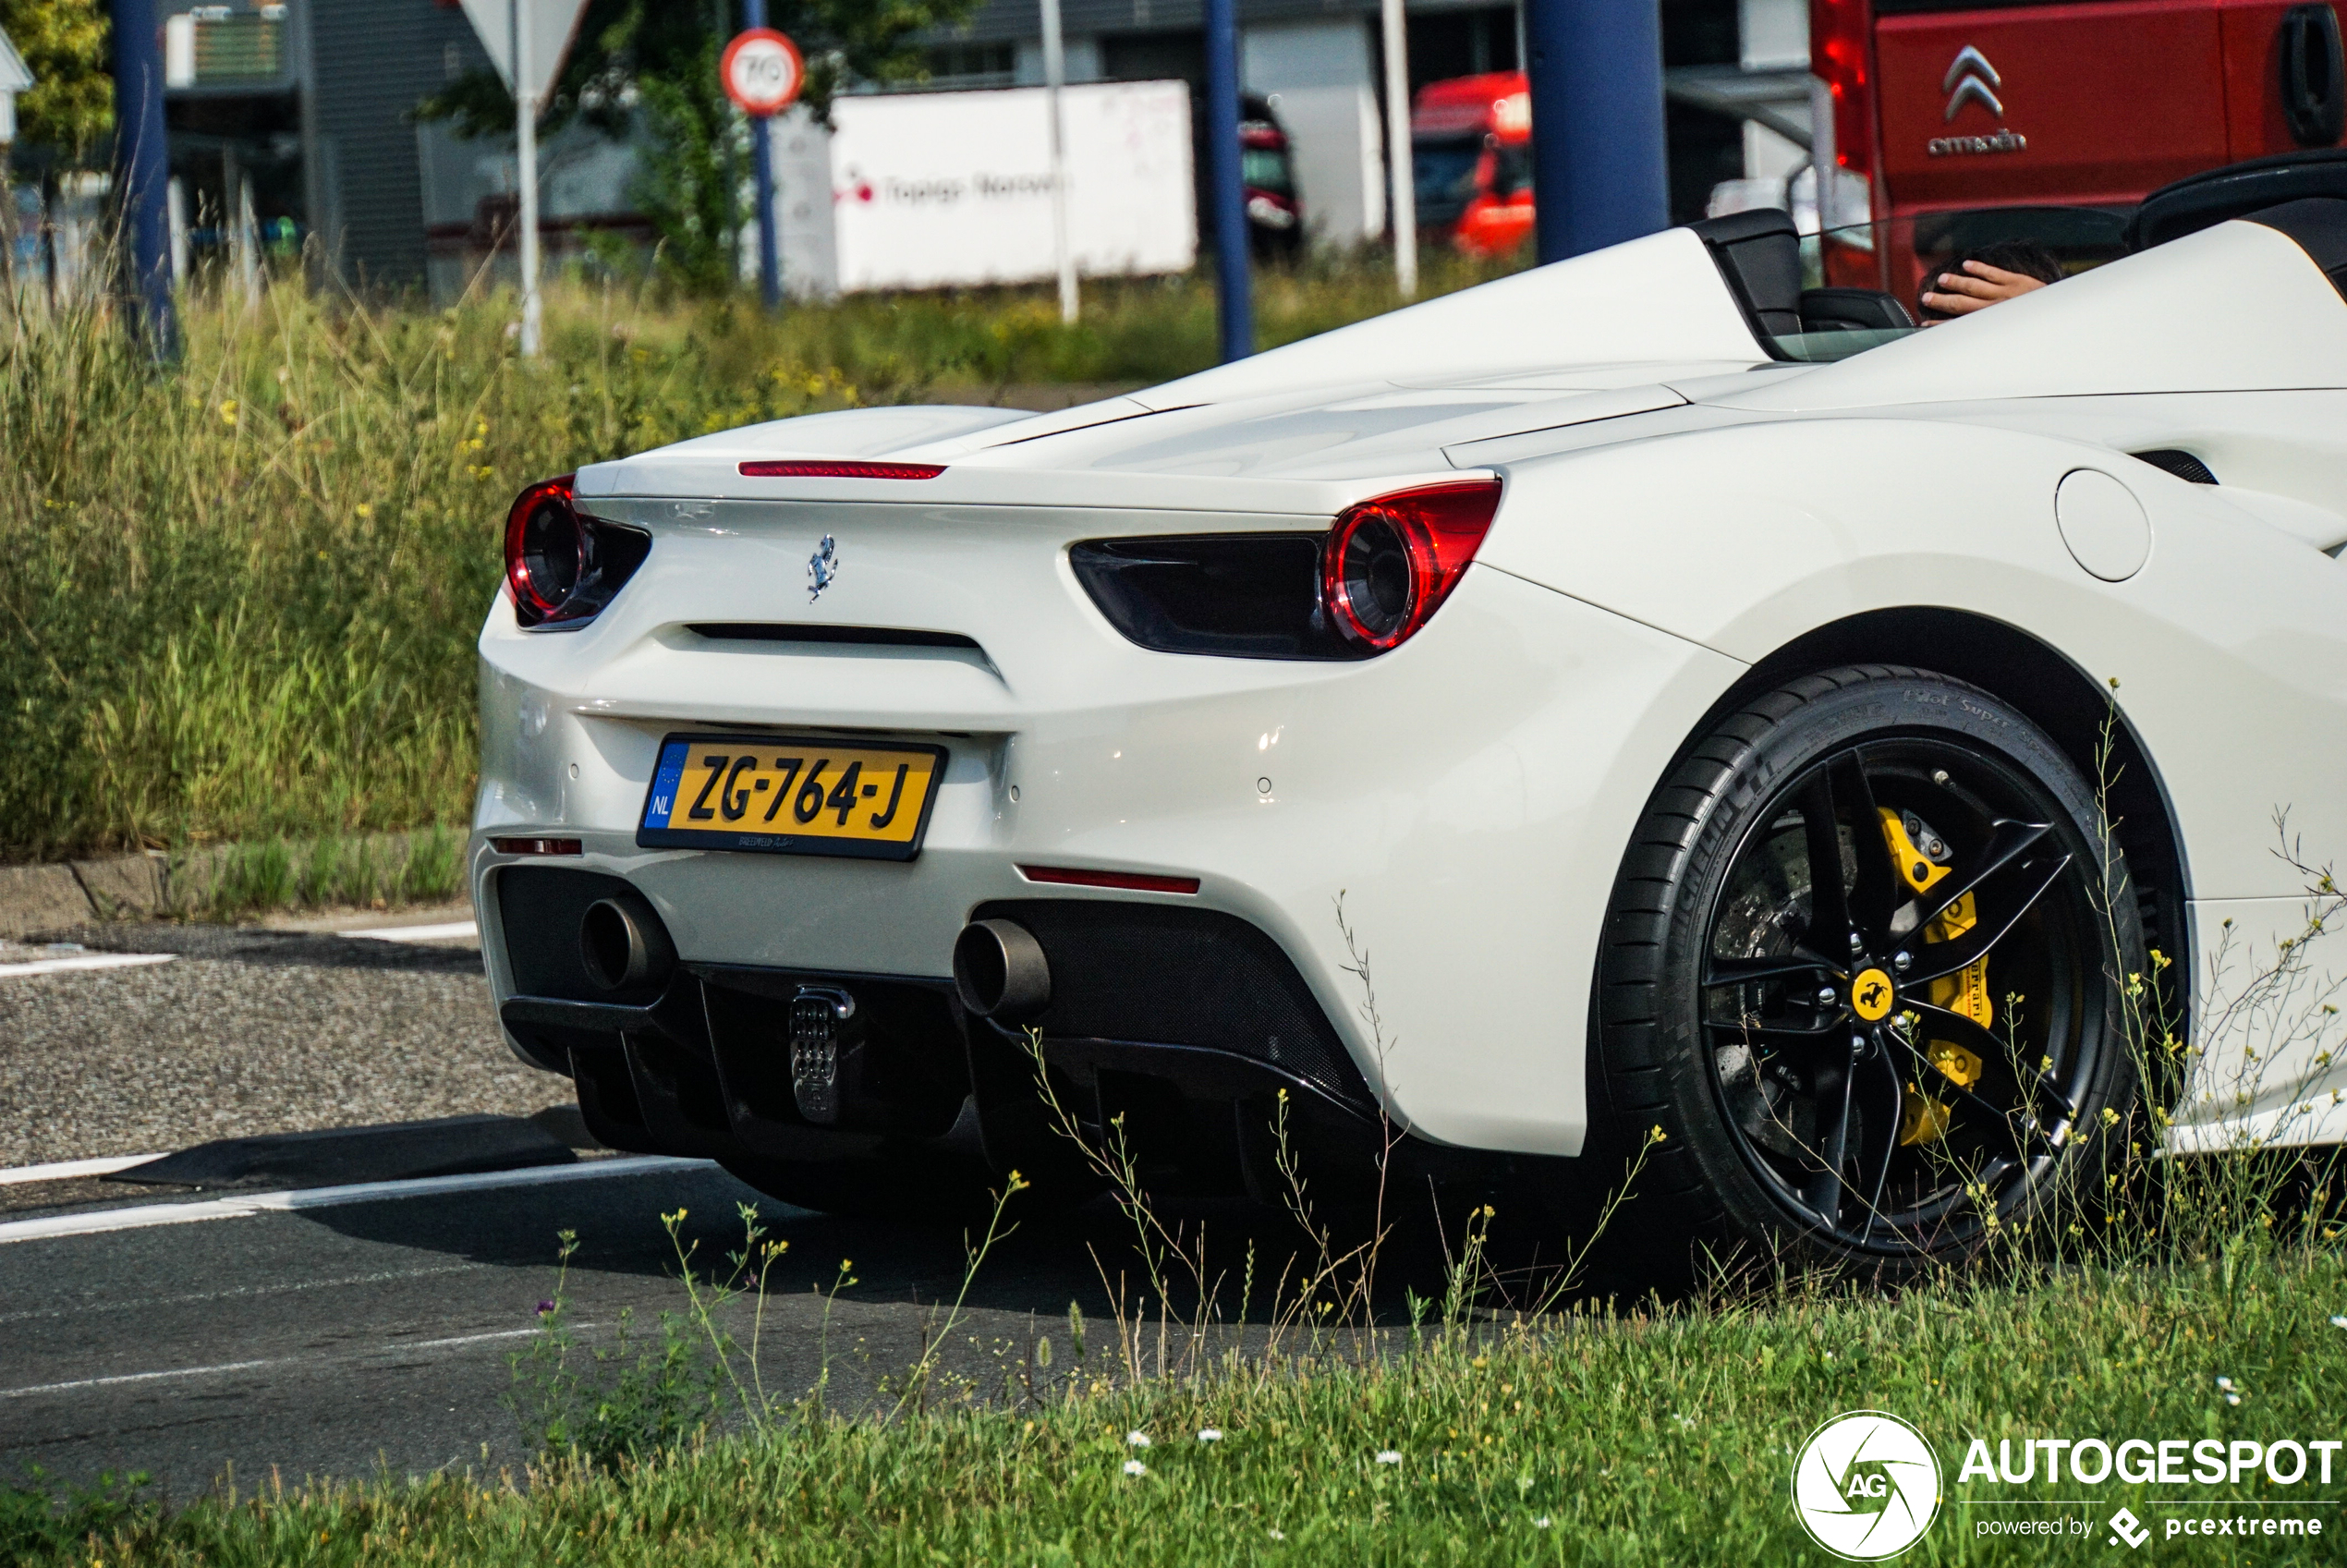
[1989, 277]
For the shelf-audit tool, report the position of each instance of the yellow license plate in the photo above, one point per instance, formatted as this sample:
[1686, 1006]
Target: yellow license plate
[790, 795]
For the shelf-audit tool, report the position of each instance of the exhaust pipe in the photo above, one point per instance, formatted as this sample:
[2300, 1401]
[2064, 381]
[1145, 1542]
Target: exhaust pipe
[1000, 971]
[623, 945]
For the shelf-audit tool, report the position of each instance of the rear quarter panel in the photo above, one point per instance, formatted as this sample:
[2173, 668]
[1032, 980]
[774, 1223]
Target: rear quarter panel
[2229, 646]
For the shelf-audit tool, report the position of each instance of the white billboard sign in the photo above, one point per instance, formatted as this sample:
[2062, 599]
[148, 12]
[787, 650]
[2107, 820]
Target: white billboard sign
[938, 188]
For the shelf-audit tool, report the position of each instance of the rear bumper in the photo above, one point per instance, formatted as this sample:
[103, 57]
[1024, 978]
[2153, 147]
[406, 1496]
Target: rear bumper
[1152, 1008]
[1454, 811]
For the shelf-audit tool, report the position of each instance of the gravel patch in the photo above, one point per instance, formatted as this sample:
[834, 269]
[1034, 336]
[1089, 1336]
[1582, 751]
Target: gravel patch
[247, 1031]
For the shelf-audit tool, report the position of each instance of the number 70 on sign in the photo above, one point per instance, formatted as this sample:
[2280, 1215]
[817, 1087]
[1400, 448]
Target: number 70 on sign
[762, 71]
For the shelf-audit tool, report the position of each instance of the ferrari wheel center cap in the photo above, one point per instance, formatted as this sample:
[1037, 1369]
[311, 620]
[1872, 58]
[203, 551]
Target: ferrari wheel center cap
[1870, 995]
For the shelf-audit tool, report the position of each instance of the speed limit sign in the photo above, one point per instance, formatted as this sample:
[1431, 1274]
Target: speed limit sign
[762, 72]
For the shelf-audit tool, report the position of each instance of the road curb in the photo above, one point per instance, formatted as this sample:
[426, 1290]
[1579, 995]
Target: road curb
[35, 899]
[126, 887]
[56, 895]
[42, 898]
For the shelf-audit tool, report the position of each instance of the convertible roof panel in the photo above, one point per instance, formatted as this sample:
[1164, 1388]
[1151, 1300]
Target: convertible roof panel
[1657, 298]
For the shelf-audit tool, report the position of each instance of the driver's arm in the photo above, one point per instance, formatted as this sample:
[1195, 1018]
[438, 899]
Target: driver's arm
[1976, 288]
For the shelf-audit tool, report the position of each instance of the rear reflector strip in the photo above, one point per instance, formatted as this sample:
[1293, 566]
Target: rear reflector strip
[1134, 881]
[536, 846]
[801, 469]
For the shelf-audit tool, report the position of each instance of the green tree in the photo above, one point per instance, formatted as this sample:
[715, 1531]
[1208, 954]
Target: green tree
[651, 65]
[66, 115]
[692, 155]
[67, 118]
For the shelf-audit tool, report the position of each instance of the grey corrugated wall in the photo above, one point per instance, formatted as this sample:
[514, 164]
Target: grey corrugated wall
[372, 61]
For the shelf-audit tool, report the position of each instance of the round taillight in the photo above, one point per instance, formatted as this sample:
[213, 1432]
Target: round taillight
[545, 549]
[1389, 563]
[1372, 579]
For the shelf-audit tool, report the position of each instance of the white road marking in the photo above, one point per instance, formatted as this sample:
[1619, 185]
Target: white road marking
[473, 1339]
[85, 961]
[248, 1366]
[131, 1378]
[67, 1170]
[416, 933]
[142, 1216]
[119, 1303]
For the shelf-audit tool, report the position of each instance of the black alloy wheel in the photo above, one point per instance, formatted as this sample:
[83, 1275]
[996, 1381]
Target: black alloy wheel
[1878, 1066]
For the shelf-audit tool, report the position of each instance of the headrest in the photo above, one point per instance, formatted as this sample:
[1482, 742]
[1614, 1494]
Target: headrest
[2198, 201]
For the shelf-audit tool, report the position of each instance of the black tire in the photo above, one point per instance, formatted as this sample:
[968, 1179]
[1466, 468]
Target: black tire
[1730, 1015]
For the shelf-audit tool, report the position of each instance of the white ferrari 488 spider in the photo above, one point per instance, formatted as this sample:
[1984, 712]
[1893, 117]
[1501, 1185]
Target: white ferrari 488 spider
[1710, 704]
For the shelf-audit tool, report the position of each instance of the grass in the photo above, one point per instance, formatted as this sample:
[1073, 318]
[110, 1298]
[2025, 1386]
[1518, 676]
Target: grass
[334, 870]
[242, 596]
[358, 872]
[1659, 1438]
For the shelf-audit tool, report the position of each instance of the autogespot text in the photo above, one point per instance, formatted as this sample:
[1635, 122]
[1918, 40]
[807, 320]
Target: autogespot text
[2141, 1462]
[2176, 1462]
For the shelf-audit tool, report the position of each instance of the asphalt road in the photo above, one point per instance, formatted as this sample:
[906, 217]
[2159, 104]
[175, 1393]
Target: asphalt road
[335, 1342]
[332, 1341]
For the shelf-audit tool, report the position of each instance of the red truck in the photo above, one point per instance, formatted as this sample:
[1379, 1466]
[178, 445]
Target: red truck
[1955, 122]
[1471, 152]
[1942, 111]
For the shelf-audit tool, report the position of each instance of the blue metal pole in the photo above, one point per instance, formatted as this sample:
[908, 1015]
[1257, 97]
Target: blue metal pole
[1226, 197]
[761, 159]
[1599, 170]
[142, 170]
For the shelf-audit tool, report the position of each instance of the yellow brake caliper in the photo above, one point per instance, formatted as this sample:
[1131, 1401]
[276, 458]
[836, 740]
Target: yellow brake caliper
[1923, 1119]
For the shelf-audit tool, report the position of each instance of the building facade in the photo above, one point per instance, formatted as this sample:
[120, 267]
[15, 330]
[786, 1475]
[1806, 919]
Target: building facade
[301, 113]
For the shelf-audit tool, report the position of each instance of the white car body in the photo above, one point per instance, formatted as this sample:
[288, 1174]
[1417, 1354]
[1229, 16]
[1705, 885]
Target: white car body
[1678, 509]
